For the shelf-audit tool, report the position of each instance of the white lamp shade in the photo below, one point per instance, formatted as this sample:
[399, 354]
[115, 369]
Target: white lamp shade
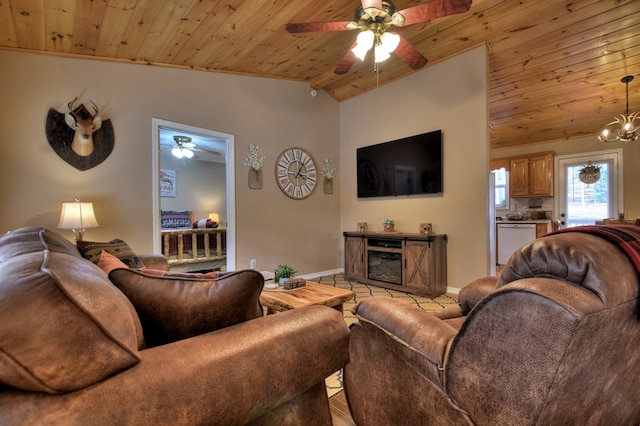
[214, 217]
[77, 215]
[364, 42]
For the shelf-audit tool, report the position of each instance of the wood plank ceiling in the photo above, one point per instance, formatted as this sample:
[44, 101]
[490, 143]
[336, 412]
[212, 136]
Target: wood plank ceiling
[554, 65]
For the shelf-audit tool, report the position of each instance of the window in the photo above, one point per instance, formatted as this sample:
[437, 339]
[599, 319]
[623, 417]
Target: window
[501, 188]
[584, 204]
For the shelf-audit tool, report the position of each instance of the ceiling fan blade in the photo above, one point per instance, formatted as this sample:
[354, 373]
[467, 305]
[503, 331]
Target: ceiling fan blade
[410, 55]
[429, 11]
[347, 61]
[307, 27]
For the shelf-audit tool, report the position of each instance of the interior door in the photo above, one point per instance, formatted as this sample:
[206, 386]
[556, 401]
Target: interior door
[578, 203]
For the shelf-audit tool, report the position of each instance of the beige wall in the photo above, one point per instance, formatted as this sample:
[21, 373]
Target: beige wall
[630, 161]
[451, 96]
[275, 114]
[200, 187]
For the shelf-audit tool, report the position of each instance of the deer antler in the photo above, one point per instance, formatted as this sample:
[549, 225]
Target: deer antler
[70, 104]
[95, 107]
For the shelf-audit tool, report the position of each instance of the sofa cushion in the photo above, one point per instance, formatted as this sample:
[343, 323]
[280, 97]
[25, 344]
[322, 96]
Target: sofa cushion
[108, 262]
[91, 250]
[30, 239]
[174, 308]
[64, 325]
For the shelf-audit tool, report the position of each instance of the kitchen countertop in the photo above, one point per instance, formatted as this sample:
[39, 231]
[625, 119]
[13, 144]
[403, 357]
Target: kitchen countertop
[523, 221]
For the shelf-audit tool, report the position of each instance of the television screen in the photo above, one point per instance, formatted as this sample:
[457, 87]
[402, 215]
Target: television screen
[408, 166]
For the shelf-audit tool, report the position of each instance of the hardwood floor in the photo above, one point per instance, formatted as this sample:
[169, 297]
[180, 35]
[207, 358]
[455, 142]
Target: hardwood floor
[340, 411]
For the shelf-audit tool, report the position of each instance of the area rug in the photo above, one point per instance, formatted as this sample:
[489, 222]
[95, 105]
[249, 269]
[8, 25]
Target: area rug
[362, 291]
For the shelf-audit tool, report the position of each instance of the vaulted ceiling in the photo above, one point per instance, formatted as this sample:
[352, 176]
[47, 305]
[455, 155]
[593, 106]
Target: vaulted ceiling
[554, 66]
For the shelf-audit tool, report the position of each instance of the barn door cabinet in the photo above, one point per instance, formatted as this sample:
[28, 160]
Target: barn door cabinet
[354, 257]
[414, 263]
[531, 175]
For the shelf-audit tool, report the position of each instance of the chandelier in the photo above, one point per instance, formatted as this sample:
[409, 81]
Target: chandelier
[622, 128]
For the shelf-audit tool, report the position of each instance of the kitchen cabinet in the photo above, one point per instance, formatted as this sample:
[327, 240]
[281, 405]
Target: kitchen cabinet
[531, 175]
[413, 263]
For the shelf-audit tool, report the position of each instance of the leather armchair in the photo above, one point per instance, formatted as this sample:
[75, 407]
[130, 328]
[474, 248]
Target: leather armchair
[553, 340]
[73, 345]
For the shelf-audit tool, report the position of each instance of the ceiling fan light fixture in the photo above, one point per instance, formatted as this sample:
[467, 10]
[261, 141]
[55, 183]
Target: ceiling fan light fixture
[622, 128]
[187, 153]
[364, 43]
[388, 43]
[177, 152]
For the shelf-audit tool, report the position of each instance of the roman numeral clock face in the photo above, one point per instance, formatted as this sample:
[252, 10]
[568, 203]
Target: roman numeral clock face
[296, 173]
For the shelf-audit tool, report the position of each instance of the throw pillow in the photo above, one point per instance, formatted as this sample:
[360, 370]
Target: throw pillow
[108, 262]
[172, 308]
[170, 219]
[204, 223]
[91, 250]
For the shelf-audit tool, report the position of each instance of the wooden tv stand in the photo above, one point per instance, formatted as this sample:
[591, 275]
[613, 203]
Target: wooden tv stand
[414, 263]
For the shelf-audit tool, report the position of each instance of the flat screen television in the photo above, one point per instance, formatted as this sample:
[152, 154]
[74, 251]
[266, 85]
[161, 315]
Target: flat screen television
[407, 166]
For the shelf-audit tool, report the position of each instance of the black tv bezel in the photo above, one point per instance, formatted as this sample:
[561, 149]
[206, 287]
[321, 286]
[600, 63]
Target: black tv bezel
[362, 167]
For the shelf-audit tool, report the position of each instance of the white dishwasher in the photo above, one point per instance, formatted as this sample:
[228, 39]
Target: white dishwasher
[512, 236]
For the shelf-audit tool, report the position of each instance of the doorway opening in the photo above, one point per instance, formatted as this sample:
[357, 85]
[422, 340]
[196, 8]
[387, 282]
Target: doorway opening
[209, 145]
[579, 203]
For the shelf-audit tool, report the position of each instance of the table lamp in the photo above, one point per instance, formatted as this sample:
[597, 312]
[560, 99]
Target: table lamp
[214, 217]
[77, 216]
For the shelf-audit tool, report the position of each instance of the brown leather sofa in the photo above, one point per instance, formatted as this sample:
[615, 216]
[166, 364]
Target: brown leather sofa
[555, 340]
[73, 347]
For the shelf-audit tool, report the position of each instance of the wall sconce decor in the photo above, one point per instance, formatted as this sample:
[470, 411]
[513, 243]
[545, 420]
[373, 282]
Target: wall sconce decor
[328, 171]
[254, 161]
[81, 138]
[77, 216]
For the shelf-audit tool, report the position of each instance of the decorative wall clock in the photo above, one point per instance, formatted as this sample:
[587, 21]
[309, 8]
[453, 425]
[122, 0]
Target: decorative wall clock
[296, 173]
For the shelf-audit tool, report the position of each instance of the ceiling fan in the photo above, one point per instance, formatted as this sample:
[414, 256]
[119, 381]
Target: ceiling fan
[374, 18]
[185, 148]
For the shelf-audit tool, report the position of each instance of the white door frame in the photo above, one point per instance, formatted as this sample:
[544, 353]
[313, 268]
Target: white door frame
[609, 154]
[229, 139]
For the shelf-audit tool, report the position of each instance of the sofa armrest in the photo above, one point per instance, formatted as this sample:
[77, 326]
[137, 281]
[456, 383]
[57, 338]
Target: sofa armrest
[155, 261]
[474, 292]
[174, 308]
[231, 376]
[420, 337]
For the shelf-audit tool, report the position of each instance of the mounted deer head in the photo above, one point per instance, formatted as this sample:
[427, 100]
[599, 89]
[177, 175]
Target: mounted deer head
[83, 124]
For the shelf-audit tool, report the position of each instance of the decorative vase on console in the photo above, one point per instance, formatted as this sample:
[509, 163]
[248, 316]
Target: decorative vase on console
[388, 225]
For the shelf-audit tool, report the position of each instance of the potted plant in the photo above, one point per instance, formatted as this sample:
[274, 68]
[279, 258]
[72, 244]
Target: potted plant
[283, 272]
[388, 225]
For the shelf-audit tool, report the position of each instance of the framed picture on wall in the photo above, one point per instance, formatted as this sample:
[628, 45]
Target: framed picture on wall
[167, 183]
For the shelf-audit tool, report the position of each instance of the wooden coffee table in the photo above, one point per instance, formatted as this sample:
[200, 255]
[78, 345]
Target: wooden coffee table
[279, 300]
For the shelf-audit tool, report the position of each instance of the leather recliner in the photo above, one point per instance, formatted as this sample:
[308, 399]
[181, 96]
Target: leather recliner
[554, 340]
[74, 347]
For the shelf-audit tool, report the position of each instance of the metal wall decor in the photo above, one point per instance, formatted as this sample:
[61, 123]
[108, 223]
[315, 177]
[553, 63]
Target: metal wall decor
[254, 161]
[81, 138]
[328, 172]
